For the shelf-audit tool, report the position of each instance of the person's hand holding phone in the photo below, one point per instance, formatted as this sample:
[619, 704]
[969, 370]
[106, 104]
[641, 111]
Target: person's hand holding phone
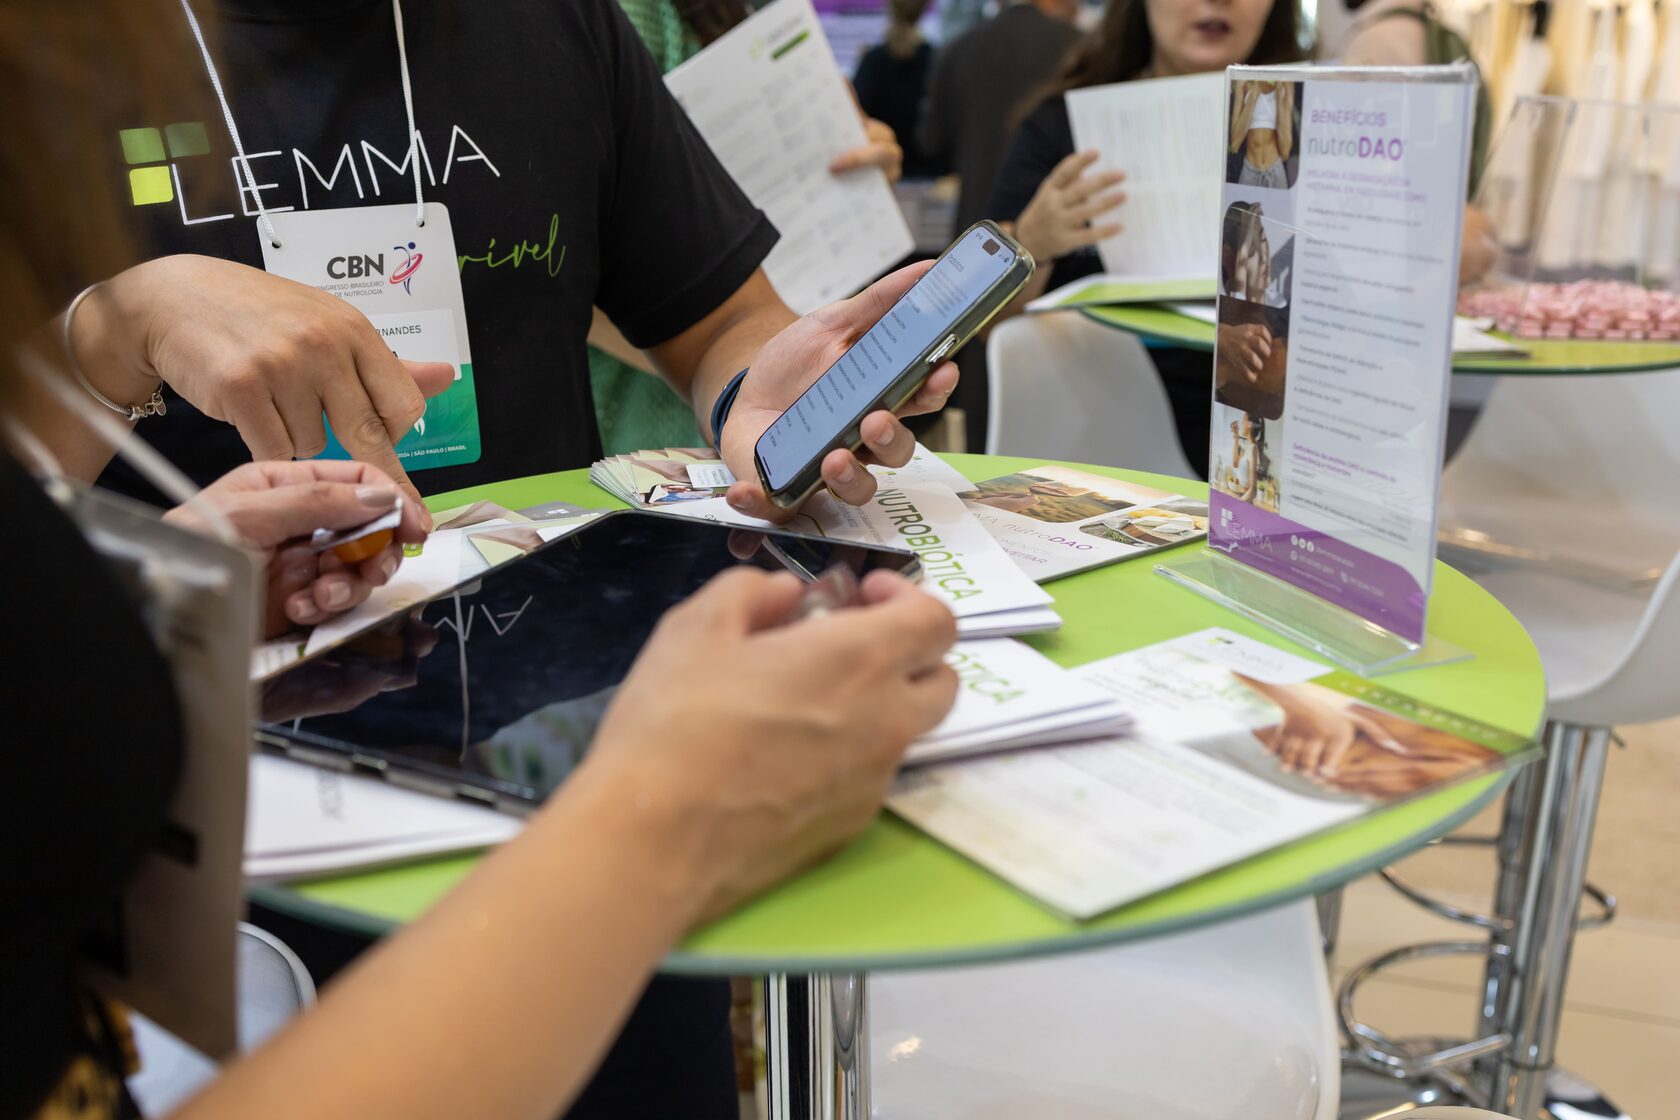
[788, 365]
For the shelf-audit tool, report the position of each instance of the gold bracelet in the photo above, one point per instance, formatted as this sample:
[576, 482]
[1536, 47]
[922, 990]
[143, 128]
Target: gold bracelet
[153, 407]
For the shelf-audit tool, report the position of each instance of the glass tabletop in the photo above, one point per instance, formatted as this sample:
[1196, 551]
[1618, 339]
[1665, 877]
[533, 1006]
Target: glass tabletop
[898, 899]
[1545, 356]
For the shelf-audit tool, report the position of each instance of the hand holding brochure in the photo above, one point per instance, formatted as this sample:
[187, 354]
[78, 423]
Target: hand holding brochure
[1236, 748]
[1157, 132]
[774, 108]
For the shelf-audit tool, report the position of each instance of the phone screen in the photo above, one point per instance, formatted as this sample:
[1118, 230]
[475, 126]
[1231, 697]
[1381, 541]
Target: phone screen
[924, 315]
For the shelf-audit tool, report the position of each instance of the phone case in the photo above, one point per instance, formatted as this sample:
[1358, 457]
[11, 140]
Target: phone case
[905, 385]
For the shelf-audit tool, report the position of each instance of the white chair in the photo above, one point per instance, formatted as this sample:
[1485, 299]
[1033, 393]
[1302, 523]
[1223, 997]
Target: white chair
[1063, 387]
[1563, 503]
[273, 987]
[1232, 1020]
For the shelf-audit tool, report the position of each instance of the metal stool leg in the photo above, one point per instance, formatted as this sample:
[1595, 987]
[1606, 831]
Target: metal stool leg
[1544, 868]
[1329, 921]
[817, 1047]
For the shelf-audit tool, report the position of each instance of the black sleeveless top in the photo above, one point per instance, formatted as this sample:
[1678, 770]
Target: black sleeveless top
[93, 747]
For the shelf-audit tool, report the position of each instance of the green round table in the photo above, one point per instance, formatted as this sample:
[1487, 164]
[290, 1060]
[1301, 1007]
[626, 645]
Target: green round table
[1156, 323]
[897, 899]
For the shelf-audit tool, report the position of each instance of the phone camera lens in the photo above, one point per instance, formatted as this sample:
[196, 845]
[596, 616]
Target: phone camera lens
[991, 247]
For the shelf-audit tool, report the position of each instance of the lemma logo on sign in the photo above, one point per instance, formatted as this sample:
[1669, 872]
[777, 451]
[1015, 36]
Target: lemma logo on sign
[151, 179]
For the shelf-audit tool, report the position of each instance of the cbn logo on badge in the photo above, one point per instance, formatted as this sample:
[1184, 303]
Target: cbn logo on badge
[361, 265]
[404, 273]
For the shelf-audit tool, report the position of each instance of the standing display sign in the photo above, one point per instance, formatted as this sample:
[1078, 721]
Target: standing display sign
[1342, 212]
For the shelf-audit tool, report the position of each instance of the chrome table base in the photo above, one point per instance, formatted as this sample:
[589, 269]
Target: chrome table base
[1544, 839]
[817, 1046]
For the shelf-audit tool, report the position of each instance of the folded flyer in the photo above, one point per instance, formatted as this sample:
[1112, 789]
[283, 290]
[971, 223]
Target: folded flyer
[1012, 696]
[1055, 521]
[1236, 748]
[1110, 289]
[915, 508]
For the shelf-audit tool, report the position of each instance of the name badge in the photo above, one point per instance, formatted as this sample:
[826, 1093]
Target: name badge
[403, 277]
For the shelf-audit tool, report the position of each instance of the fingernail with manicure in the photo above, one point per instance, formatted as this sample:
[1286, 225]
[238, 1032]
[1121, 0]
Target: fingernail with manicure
[378, 497]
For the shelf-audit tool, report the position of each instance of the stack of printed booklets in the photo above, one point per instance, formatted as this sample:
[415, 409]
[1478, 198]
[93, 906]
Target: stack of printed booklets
[984, 547]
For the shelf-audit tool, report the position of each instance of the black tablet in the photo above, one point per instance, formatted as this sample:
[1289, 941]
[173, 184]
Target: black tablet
[493, 691]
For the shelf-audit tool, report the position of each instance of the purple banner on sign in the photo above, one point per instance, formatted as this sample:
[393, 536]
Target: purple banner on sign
[1332, 569]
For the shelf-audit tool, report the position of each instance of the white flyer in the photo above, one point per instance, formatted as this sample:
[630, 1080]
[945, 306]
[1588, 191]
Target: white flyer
[1013, 696]
[1157, 132]
[770, 101]
[1055, 520]
[961, 562]
[1235, 748]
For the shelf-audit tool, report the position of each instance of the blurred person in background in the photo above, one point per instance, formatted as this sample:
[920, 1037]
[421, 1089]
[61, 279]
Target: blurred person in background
[892, 80]
[1059, 208]
[980, 83]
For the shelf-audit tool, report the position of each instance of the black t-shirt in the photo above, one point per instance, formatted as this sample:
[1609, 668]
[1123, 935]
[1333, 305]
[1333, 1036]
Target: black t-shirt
[94, 747]
[891, 90]
[571, 176]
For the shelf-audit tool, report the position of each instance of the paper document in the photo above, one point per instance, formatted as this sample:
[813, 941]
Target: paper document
[915, 508]
[1106, 291]
[961, 562]
[304, 820]
[1012, 696]
[1470, 336]
[1235, 749]
[1055, 521]
[1162, 133]
[770, 101]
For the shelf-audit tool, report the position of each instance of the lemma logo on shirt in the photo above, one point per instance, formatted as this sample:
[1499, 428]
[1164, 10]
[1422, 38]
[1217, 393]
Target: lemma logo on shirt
[151, 179]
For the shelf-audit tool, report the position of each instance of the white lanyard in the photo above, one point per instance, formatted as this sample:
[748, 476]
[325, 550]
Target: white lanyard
[239, 147]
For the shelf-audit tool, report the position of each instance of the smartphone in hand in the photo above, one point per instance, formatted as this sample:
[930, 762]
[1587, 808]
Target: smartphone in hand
[972, 281]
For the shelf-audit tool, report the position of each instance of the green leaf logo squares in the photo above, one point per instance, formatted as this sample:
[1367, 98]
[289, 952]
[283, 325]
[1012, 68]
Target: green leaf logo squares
[149, 185]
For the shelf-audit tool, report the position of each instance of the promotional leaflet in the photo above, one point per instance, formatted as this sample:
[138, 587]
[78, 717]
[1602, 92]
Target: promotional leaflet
[1054, 521]
[775, 110]
[1236, 747]
[915, 508]
[1012, 696]
[961, 562]
[1338, 258]
[1156, 132]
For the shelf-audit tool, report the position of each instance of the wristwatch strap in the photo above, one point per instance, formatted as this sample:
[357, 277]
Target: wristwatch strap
[720, 407]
